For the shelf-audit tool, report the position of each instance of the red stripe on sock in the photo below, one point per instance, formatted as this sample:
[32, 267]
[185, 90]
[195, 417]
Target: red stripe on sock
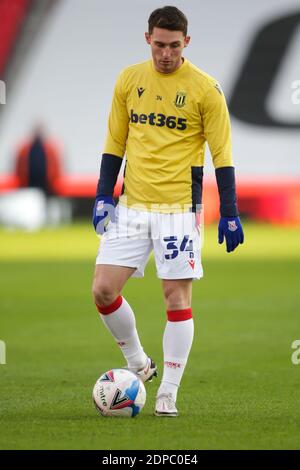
[179, 315]
[106, 310]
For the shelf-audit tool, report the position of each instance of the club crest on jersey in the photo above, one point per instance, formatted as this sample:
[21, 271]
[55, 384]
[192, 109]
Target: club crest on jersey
[232, 225]
[180, 99]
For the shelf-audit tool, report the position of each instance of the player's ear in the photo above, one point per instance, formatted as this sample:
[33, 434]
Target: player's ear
[187, 40]
[148, 38]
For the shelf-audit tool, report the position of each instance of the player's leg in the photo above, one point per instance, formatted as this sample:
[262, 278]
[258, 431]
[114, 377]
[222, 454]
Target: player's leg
[108, 282]
[118, 259]
[177, 256]
[116, 313]
[177, 342]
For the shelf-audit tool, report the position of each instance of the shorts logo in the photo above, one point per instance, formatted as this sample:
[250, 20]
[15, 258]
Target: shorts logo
[180, 99]
[192, 263]
[232, 225]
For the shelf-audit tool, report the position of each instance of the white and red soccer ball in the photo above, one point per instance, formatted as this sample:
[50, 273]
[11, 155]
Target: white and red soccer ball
[119, 393]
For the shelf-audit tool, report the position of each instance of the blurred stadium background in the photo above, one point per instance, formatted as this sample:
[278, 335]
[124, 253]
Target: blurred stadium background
[58, 63]
[59, 60]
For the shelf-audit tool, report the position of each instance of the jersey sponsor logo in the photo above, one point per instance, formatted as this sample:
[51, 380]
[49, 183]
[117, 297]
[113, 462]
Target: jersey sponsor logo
[180, 99]
[140, 91]
[159, 120]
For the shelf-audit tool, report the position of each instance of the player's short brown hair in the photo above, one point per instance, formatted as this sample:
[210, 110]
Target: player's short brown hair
[168, 17]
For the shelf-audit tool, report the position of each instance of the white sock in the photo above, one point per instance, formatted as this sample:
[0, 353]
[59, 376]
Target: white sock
[177, 342]
[122, 326]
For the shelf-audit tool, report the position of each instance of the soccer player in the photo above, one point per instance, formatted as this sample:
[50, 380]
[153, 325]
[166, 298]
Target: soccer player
[163, 111]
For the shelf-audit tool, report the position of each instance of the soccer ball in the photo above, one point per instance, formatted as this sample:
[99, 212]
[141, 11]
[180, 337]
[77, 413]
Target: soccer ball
[120, 393]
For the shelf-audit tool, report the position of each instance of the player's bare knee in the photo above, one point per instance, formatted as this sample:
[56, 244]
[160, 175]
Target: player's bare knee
[103, 293]
[177, 294]
[176, 301]
[177, 305]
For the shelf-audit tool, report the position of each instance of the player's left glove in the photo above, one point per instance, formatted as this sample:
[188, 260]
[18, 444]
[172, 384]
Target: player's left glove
[104, 211]
[231, 228]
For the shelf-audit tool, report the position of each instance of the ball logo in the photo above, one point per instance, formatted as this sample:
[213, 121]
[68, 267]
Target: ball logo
[120, 401]
[107, 377]
[102, 396]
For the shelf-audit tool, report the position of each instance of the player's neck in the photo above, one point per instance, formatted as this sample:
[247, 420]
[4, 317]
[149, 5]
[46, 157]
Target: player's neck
[168, 72]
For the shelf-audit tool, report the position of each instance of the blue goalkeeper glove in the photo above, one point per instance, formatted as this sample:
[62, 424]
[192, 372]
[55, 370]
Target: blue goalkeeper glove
[231, 228]
[104, 211]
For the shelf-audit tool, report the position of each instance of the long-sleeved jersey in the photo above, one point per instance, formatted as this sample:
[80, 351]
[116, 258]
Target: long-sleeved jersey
[162, 122]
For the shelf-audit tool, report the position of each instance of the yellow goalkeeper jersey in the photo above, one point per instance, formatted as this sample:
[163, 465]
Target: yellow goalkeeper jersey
[162, 122]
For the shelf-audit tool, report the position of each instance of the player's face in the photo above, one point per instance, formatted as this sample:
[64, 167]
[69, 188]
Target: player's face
[167, 47]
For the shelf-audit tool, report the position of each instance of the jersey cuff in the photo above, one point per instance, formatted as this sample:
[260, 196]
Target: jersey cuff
[110, 167]
[226, 186]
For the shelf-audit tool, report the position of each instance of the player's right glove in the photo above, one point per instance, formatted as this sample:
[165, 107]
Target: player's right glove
[104, 211]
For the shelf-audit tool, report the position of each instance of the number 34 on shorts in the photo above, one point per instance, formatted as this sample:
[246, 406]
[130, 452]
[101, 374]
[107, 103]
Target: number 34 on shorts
[179, 257]
[174, 246]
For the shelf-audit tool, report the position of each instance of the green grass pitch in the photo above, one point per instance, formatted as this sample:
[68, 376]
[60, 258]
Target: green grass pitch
[240, 389]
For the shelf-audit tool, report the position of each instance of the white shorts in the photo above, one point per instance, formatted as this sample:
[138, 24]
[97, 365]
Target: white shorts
[174, 238]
